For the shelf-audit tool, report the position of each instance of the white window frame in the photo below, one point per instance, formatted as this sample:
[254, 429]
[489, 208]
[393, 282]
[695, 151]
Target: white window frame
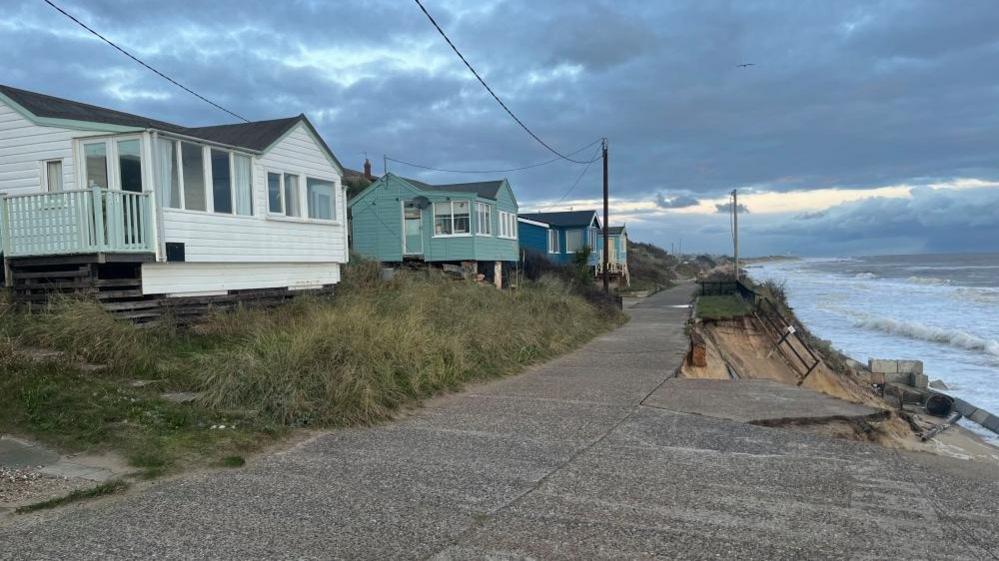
[267, 181]
[483, 211]
[583, 235]
[334, 207]
[45, 175]
[507, 225]
[554, 247]
[450, 205]
[111, 155]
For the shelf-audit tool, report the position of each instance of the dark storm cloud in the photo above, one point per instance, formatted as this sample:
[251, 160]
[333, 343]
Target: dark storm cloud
[675, 201]
[851, 93]
[932, 220]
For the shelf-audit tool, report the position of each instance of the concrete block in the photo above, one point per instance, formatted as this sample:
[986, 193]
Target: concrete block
[897, 378]
[883, 365]
[920, 381]
[912, 366]
[980, 416]
[992, 423]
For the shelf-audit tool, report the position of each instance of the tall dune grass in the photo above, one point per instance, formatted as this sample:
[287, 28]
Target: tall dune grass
[357, 357]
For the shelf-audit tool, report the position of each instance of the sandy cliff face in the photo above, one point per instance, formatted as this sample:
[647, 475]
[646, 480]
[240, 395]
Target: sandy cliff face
[741, 348]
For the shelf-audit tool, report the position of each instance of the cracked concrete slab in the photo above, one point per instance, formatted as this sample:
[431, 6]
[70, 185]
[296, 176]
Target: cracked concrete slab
[754, 401]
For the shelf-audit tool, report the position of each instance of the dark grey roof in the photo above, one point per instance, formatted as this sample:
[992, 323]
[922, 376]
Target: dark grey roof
[563, 219]
[615, 230]
[484, 189]
[42, 105]
[256, 135]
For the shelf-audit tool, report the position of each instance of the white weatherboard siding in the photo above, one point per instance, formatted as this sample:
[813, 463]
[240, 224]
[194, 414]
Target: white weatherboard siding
[223, 238]
[194, 278]
[23, 148]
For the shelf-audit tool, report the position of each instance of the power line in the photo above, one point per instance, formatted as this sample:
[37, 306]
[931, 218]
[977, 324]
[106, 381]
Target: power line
[131, 56]
[576, 182]
[491, 92]
[537, 165]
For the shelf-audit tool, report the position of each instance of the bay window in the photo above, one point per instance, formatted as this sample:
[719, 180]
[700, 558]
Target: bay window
[574, 241]
[275, 202]
[193, 165]
[319, 196]
[507, 225]
[292, 206]
[451, 218]
[483, 219]
[221, 182]
[243, 184]
[169, 177]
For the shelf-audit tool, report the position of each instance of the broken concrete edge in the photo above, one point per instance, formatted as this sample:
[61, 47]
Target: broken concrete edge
[821, 420]
[974, 413]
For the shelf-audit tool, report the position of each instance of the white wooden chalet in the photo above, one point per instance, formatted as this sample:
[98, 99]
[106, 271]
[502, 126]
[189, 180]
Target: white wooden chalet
[137, 210]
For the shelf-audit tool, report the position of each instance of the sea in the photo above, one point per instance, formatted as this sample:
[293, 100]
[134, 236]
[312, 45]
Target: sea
[940, 309]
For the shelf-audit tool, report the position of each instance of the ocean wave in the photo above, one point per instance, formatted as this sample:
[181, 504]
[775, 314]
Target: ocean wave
[865, 276]
[915, 330]
[983, 295]
[927, 280]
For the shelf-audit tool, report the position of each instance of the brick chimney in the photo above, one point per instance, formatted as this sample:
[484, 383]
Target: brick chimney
[367, 170]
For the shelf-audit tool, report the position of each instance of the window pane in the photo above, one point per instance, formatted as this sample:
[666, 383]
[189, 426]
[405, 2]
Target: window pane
[274, 193]
[130, 165]
[194, 176]
[483, 219]
[97, 164]
[292, 205]
[320, 198]
[169, 180]
[53, 176]
[221, 182]
[573, 240]
[461, 217]
[442, 218]
[243, 185]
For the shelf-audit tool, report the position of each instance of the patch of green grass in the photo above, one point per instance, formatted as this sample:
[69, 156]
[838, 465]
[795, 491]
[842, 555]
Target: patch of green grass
[318, 361]
[721, 307]
[233, 461]
[102, 490]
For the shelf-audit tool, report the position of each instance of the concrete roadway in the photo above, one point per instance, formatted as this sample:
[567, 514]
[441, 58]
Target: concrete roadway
[562, 462]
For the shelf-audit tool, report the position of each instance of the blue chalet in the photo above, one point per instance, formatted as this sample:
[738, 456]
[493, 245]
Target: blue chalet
[559, 235]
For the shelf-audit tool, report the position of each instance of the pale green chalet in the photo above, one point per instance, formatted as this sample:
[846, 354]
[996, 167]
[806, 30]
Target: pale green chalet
[398, 219]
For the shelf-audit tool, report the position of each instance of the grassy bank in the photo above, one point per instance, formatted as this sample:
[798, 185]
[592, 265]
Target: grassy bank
[320, 362]
[721, 307]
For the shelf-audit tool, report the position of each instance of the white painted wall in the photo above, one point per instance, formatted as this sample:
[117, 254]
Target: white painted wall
[23, 148]
[195, 278]
[210, 237]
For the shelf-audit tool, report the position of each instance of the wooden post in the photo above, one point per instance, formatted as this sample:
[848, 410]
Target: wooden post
[498, 274]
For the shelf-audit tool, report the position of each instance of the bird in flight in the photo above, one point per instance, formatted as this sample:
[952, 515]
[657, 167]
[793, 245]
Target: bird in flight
[747, 65]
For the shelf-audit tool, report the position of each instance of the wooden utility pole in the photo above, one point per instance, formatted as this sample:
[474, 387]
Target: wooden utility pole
[735, 229]
[606, 260]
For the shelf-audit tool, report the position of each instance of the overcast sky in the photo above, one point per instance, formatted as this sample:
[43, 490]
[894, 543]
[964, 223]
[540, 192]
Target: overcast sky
[864, 127]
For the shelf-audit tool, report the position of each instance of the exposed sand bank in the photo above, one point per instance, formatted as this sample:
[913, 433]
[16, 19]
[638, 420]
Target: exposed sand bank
[741, 348]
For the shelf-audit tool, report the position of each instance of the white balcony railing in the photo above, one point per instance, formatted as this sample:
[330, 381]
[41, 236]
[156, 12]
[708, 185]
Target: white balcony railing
[76, 222]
